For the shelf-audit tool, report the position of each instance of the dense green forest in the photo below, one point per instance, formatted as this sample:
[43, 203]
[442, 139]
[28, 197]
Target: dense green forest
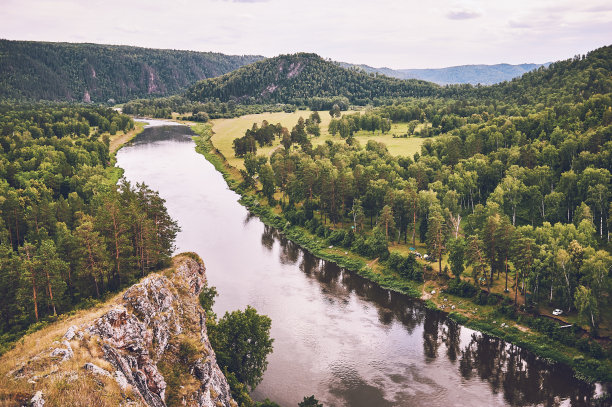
[90, 72]
[288, 82]
[299, 77]
[515, 194]
[562, 83]
[68, 232]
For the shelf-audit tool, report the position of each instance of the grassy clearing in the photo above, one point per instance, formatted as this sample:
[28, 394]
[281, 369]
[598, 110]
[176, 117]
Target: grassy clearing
[226, 130]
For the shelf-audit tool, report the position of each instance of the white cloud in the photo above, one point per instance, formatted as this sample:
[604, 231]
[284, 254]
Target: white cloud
[462, 15]
[398, 34]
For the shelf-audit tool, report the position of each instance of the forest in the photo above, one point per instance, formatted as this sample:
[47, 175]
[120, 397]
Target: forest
[296, 78]
[69, 234]
[34, 71]
[509, 197]
[510, 200]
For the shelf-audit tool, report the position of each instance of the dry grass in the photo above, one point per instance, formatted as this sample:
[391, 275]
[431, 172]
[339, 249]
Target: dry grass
[54, 379]
[121, 138]
[226, 130]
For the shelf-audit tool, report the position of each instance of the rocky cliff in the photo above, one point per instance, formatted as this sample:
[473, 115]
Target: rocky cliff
[146, 347]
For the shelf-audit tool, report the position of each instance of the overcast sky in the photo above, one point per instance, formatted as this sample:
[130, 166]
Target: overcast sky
[396, 34]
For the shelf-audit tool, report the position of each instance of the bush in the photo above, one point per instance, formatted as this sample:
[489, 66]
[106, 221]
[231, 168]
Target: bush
[407, 267]
[482, 298]
[207, 297]
[461, 288]
[507, 311]
[376, 245]
[349, 237]
[296, 217]
[336, 237]
[494, 299]
[242, 342]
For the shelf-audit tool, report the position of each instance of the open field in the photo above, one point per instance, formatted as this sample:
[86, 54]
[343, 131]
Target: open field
[226, 130]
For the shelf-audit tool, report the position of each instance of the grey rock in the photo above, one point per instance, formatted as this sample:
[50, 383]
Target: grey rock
[65, 353]
[97, 370]
[71, 333]
[140, 331]
[121, 380]
[37, 400]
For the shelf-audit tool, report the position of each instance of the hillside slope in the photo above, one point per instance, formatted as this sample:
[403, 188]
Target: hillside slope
[146, 347]
[92, 72]
[298, 77]
[569, 81]
[471, 74]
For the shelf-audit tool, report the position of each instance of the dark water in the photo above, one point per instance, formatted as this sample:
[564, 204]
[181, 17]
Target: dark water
[337, 335]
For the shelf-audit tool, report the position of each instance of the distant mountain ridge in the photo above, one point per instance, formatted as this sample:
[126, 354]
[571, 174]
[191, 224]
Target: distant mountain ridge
[32, 70]
[471, 74]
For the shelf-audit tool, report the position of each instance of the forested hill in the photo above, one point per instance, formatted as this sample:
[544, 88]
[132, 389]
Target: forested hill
[298, 77]
[97, 73]
[569, 81]
[472, 74]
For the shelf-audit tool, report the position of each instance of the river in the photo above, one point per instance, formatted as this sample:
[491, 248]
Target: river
[336, 335]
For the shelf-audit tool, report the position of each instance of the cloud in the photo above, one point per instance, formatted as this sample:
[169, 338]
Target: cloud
[519, 24]
[462, 14]
[599, 9]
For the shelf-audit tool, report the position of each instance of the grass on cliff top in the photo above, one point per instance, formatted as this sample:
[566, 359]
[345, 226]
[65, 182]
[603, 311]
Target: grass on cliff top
[58, 388]
[226, 130]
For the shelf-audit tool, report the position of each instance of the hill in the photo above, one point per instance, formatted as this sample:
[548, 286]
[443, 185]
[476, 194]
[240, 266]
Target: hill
[471, 74]
[148, 346]
[299, 77]
[91, 72]
[569, 81]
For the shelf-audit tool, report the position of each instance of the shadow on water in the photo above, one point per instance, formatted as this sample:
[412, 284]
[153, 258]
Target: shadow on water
[519, 375]
[164, 133]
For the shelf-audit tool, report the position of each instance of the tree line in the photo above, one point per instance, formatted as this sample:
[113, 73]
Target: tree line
[524, 196]
[34, 71]
[68, 233]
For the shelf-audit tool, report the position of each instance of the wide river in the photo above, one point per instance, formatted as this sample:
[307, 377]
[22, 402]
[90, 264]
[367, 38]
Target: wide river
[336, 335]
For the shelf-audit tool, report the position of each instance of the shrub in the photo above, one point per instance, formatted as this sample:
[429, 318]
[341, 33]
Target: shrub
[482, 297]
[461, 288]
[494, 299]
[507, 310]
[336, 237]
[407, 267]
[349, 237]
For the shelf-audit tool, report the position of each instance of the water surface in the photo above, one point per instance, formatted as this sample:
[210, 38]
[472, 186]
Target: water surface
[336, 335]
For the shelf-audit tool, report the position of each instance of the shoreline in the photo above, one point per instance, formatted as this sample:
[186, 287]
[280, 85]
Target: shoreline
[508, 330]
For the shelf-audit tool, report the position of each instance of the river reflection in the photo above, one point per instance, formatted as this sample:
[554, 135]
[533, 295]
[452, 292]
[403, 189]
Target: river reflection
[523, 378]
[336, 335]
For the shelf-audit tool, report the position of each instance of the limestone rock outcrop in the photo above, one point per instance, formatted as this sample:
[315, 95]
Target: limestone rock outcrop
[151, 343]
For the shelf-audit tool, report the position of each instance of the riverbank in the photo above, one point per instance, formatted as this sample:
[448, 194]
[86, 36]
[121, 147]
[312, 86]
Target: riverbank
[519, 330]
[118, 140]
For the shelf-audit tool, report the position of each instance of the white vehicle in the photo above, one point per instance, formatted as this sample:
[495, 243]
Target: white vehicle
[557, 312]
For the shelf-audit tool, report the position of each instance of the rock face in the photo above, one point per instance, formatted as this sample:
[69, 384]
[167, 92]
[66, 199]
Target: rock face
[155, 340]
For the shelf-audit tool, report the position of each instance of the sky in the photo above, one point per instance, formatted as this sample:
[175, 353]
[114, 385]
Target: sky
[395, 34]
